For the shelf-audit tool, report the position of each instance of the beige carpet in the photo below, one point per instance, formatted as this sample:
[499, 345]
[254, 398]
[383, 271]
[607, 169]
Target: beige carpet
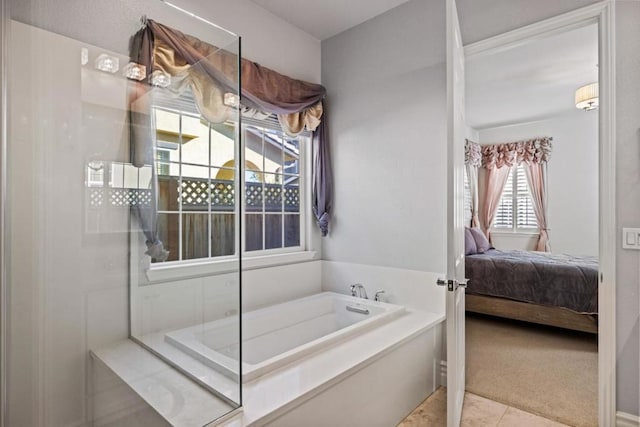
[546, 371]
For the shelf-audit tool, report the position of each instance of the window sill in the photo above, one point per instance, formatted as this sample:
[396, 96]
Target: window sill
[503, 233]
[163, 273]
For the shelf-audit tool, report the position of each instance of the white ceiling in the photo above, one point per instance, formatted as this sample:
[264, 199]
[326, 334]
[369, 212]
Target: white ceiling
[326, 18]
[532, 81]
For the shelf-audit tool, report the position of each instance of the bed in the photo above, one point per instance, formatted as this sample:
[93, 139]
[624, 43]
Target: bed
[551, 289]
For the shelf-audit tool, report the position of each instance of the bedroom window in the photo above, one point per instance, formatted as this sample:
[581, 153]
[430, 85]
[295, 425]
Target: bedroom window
[467, 200]
[515, 210]
[198, 184]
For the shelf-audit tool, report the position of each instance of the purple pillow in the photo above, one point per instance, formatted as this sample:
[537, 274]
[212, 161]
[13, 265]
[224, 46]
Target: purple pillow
[469, 242]
[482, 244]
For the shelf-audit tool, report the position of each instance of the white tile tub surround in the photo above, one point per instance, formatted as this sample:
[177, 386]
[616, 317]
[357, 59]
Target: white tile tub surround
[177, 304]
[280, 334]
[409, 288]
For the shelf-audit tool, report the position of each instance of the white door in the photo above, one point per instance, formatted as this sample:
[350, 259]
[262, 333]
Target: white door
[455, 280]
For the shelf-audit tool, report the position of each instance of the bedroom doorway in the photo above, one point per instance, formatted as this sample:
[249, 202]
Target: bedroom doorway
[543, 351]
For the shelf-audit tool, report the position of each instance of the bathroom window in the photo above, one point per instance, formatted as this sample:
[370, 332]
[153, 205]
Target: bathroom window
[198, 187]
[272, 189]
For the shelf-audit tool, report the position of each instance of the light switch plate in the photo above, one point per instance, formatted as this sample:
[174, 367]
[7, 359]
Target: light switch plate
[631, 238]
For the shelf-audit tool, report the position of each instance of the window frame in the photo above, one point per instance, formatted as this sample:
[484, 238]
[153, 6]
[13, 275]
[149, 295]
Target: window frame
[303, 188]
[514, 229]
[176, 269]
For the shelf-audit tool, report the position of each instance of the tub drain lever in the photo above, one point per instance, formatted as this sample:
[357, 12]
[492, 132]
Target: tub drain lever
[356, 309]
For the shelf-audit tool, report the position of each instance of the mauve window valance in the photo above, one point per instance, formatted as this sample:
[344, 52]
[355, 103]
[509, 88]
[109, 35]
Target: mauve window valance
[531, 151]
[472, 154]
[210, 73]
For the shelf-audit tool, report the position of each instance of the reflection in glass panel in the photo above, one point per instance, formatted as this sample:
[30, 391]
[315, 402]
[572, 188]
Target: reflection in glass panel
[116, 175]
[95, 174]
[130, 176]
[145, 177]
[163, 157]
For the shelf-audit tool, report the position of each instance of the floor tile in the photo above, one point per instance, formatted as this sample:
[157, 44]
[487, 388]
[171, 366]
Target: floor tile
[516, 418]
[479, 411]
[431, 412]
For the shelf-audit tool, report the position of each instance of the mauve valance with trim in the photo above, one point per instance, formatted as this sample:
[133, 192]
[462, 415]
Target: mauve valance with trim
[213, 72]
[531, 151]
[210, 73]
[472, 154]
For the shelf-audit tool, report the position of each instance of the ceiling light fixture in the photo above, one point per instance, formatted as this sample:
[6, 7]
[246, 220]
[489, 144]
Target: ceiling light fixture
[587, 97]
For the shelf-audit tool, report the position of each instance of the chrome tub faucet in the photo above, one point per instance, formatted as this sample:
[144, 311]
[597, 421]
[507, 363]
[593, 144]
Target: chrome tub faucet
[359, 291]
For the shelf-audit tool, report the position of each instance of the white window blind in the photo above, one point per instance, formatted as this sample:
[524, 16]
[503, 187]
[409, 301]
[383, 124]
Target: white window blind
[515, 209]
[467, 200]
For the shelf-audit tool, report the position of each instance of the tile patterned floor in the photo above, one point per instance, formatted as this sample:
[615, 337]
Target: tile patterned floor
[477, 412]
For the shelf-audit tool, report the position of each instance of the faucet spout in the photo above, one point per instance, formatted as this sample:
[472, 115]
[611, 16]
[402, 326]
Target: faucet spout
[357, 290]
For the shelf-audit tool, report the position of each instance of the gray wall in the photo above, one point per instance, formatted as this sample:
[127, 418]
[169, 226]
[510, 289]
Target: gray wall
[628, 202]
[266, 38]
[387, 106]
[387, 96]
[572, 181]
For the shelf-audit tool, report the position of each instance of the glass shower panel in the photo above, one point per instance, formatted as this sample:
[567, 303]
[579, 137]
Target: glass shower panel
[186, 308]
[95, 328]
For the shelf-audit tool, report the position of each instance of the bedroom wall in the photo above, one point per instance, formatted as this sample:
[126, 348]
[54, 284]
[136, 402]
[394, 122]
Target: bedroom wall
[491, 17]
[572, 181]
[386, 93]
[68, 289]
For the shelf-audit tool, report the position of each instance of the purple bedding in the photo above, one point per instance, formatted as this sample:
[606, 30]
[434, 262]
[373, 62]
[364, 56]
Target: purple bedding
[544, 278]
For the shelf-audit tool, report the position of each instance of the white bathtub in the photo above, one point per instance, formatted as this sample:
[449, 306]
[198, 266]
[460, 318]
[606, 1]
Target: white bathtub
[277, 335]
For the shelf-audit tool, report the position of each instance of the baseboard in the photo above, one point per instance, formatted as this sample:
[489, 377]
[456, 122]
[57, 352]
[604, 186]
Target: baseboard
[627, 420]
[443, 373]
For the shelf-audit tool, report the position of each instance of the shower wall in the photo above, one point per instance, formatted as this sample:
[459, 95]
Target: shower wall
[67, 274]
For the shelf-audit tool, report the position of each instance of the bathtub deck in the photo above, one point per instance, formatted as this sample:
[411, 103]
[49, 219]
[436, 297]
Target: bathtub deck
[271, 395]
[174, 397]
[299, 381]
